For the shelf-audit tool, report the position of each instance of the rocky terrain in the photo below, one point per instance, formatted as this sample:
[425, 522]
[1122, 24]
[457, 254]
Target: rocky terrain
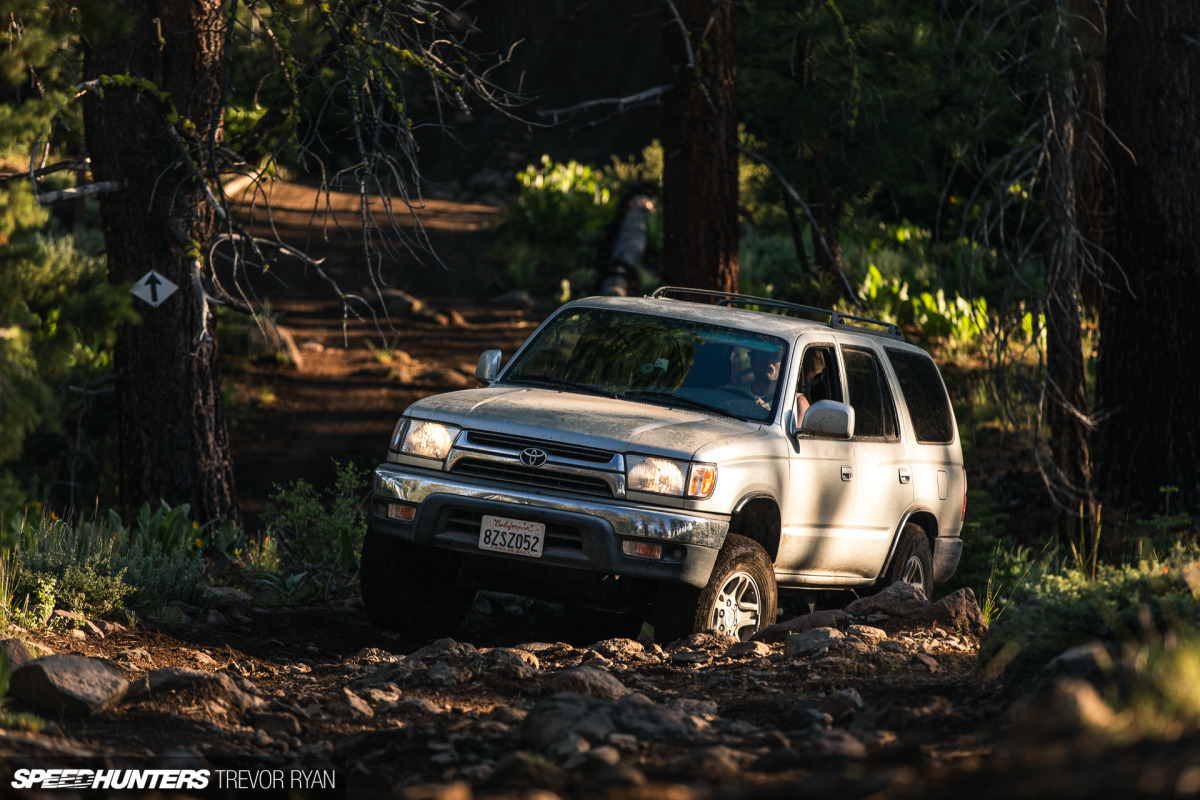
[849, 702]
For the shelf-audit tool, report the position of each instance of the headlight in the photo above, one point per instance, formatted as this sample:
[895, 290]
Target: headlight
[663, 476]
[427, 439]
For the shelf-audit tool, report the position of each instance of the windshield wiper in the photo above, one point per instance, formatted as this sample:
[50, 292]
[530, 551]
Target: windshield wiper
[550, 380]
[680, 400]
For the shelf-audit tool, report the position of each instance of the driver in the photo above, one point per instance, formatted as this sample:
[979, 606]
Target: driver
[764, 364]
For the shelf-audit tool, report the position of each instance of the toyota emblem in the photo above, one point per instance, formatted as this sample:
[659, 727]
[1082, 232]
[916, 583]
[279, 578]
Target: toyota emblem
[533, 457]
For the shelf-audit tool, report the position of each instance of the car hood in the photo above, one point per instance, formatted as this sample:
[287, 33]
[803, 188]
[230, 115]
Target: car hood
[582, 419]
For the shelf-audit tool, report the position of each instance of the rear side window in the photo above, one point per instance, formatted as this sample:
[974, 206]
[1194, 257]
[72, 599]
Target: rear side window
[874, 410]
[923, 391]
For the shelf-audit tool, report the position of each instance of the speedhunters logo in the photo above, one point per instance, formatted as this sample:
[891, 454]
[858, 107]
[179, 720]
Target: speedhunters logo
[110, 779]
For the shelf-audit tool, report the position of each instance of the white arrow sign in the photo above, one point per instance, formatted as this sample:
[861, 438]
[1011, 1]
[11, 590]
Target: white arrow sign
[153, 288]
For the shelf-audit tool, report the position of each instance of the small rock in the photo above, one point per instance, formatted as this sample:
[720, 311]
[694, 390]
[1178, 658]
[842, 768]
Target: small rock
[110, 628]
[839, 743]
[216, 619]
[589, 681]
[816, 640]
[748, 650]
[274, 722]
[691, 658]
[134, 657]
[894, 646]
[16, 651]
[347, 703]
[81, 622]
[842, 703]
[715, 760]
[513, 663]
[619, 649]
[927, 661]
[200, 657]
[69, 685]
[446, 674]
[867, 633]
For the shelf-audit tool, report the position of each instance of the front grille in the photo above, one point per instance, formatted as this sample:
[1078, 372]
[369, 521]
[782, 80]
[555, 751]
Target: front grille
[462, 521]
[516, 444]
[540, 477]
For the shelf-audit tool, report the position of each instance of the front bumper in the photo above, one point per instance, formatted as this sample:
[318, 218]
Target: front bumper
[581, 533]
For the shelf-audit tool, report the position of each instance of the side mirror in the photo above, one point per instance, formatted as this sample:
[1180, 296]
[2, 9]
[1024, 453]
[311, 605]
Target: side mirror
[488, 367]
[826, 418]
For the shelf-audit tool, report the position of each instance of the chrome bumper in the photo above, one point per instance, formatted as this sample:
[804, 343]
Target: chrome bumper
[694, 538]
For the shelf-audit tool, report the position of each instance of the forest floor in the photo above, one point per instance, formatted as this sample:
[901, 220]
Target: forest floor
[517, 705]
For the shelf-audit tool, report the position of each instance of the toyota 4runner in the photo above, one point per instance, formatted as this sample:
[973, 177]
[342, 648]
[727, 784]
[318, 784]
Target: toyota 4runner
[672, 460]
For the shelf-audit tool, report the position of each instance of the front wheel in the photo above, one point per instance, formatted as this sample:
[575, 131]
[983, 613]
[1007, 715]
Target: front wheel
[913, 562]
[407, 587]
[741, 596]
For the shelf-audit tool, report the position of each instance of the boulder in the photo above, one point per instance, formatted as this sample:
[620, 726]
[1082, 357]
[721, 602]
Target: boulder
[589, 681]
[182, 679]
[958, 611]
[898, 600]
[817, 640]
[69, 685]
[774, 634]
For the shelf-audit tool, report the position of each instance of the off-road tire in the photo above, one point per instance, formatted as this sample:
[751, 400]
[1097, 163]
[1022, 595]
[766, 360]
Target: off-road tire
[410, 588]
[743, 570]
[912, 562]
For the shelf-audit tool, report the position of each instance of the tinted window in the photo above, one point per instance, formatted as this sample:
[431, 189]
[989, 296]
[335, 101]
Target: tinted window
[652, 359]
[921, 385]
[874, 411]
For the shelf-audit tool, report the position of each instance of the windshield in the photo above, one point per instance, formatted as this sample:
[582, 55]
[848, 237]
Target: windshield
[659, 360]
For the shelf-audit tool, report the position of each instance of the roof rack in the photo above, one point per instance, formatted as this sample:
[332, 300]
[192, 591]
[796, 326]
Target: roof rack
[836, 318]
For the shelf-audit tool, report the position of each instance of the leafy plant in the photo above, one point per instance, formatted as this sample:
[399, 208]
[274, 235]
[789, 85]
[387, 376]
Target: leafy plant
[320, 527]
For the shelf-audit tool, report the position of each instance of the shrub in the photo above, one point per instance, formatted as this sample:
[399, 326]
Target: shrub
[324, 528]
[96, 568]
[1060, 606]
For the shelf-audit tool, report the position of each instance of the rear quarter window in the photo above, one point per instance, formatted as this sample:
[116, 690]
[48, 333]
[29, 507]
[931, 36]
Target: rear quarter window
[924, 394]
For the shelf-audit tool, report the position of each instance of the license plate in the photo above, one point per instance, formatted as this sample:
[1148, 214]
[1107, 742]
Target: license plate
[512, 536]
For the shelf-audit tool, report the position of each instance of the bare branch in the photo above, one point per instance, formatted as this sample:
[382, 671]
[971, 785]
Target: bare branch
[622, 103]
[87, 190]
[687, 42]
[818, 235]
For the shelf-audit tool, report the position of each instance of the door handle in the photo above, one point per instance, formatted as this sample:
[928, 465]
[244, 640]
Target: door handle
[847, 472]
[905, 476]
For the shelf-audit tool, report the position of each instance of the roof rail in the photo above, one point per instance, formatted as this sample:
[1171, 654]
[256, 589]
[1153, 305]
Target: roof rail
[836, 318]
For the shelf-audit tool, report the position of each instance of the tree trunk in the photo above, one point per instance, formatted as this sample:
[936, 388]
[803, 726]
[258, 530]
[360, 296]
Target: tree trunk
[1068, 472]
[173, 435]
[1148, 384]
[700, 168]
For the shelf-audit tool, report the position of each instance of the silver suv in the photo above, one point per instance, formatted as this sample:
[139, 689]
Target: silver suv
[674, 460]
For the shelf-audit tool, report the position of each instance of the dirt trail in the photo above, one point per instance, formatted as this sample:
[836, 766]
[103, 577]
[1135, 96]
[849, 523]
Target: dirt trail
[344, 399]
